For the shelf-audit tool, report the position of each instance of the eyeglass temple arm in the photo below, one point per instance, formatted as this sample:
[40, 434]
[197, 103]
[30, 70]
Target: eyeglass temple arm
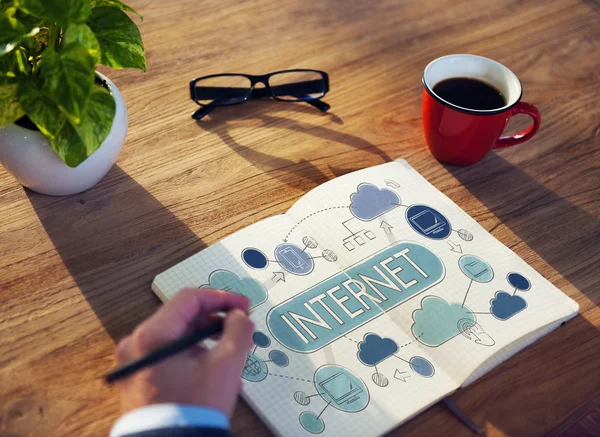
[320, 105]
[203, 111]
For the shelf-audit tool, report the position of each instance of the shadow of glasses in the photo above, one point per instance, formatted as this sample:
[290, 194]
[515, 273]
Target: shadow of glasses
[302, 174]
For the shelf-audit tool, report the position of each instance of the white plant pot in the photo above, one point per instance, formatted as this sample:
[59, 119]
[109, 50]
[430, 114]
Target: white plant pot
[27, 156]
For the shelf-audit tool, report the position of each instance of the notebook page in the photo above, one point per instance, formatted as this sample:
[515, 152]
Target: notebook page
[356, 338]
[488, 297]
[298, 390]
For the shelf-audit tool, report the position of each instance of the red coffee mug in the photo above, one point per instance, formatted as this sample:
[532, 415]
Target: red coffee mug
[462, 136]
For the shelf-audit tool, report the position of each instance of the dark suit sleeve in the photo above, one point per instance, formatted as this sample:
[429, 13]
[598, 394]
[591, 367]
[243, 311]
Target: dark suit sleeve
[182, 432]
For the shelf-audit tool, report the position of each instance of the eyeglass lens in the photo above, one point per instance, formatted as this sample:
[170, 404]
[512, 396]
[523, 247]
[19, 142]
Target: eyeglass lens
[298, 85]
[222, 90]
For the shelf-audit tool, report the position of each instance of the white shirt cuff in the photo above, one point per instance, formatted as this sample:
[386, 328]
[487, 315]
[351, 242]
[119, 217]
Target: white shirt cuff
[168, 416]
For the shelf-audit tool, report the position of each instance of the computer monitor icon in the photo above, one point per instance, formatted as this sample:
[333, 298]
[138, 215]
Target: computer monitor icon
[428, 222]
[340, 388]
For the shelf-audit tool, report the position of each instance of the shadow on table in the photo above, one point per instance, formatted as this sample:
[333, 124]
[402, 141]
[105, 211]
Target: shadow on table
[113, 239]
[563, 234]
[295, 174]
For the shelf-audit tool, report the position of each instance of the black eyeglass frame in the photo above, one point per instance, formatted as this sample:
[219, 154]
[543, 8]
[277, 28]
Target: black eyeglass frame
[267, 91]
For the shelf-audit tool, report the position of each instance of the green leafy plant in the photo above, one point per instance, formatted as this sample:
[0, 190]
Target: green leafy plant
[48, 53]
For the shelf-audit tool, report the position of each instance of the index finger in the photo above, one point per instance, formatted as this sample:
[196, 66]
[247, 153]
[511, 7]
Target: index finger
[172, 321]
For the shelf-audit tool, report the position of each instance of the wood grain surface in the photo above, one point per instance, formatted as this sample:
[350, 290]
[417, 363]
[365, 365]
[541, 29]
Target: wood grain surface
[75, 272]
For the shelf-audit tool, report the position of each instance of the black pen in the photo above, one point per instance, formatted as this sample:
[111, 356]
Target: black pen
[165, 352]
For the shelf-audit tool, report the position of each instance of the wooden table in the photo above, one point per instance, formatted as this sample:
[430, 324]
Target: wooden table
[76, 271]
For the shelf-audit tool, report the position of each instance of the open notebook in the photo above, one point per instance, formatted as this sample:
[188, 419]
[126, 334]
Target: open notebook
[374, 297]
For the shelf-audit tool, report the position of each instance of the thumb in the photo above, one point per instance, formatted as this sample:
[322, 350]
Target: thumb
[236, 340]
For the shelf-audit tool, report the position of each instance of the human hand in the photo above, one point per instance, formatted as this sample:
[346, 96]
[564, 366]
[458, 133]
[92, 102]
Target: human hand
[198, 376]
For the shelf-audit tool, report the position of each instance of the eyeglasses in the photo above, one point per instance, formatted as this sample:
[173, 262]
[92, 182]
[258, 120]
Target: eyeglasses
[233, 89]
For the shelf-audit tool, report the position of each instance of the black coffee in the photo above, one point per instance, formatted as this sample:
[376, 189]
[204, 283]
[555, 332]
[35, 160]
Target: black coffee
[469, 93]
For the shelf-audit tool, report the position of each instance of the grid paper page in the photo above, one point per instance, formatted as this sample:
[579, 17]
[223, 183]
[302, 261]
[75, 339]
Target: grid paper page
[374, 296]
[488, 295]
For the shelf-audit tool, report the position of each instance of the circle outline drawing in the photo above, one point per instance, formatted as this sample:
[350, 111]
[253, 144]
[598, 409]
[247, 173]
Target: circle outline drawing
[469, 274]
[279, 354]
[329, 255]
[465, 235]
[522, 276]
[412, 366]
[418, 229]
[255, 250]
[301, 398]
[317, 417]
[383, 380]
[311, 240]
[283, 265]
[260, 333]
[262, 374]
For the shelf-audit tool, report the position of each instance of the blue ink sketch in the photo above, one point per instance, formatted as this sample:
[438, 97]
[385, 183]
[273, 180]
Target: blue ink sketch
[255, 369]
[254, 258]
[475, 268]
[505, 305]
[293, 259]
[428, 222]
[341, 388]
[518, 281]
[374, 349]
[279, 358]
[422, 366]
[438, 321]
[370, 202]
[341, 303]
[261, 339]
[248, 287]
[311, 422]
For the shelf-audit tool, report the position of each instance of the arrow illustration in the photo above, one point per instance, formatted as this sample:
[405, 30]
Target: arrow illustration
[455, 247]
[401, 376]
[386, 227]
[278, 276]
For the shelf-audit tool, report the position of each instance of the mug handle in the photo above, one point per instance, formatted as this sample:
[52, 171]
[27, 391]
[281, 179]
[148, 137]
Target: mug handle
[524, 135]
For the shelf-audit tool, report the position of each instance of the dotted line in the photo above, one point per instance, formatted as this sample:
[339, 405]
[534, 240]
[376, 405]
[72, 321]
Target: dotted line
[310, 215]
[350, 339]
[412, 341]
[290, 377]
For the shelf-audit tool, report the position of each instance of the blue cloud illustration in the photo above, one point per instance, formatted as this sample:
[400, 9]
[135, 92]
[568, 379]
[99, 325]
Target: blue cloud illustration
[504, 305]
[437, 321]
[248, 287]
[374, 349]
[370, 202]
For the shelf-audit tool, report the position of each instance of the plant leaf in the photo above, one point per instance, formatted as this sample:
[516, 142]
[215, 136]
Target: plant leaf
[97, 119]
[73, 143]
[82, 34]
[69, 77]
[40, 108]
[115, 4]
[14, 64]
[12, 32]
[29, 21]
[119, 38]
[63, 12]
[11, 107]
